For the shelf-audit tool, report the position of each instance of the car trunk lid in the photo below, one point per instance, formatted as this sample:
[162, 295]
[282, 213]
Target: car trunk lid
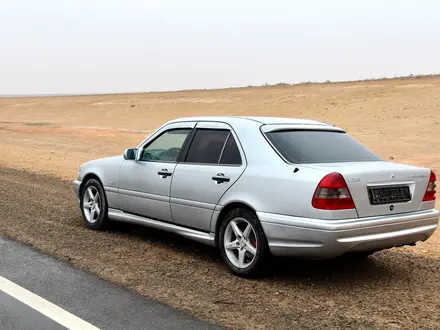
[381, 188]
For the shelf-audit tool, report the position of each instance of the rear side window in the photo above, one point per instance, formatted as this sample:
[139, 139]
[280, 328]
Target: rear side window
[207, 146]
[302, 146]
[231, 154]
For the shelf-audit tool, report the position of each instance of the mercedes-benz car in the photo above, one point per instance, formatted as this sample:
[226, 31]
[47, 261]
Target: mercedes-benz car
[259, 186]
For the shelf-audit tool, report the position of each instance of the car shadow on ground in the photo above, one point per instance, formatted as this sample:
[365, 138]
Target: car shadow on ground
[382, 266]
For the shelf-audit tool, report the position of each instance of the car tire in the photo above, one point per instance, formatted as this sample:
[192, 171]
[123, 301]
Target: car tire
[239, 257]
[94, 210]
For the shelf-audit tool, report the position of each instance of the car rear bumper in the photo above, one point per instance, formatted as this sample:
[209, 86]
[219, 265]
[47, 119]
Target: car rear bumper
[76, 186]
[323, 239]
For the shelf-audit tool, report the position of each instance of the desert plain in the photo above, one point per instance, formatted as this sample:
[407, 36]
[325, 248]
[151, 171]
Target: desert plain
[43, 140]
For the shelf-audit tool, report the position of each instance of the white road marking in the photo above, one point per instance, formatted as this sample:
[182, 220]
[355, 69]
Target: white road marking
[43, 306]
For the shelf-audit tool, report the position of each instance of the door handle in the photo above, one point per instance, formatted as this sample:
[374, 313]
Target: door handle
[220, 178]
[164, 173]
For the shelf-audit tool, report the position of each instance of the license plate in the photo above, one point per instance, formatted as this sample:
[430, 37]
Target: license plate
[388, 195]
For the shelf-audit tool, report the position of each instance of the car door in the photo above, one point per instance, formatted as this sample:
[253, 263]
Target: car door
[213, 163]
[144, 183]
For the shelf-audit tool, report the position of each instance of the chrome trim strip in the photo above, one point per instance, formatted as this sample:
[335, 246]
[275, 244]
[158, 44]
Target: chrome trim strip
[390, 184]
[202, 237]
[144, 195]
[111, 189]
[296, 244]
[387, 235]
[209, 164]
[185, 202]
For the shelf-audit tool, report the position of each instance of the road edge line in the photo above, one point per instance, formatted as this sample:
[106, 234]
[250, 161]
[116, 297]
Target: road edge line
[44, 306]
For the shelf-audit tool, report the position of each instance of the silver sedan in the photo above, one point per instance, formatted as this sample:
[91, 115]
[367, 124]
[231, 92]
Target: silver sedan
[255, 186]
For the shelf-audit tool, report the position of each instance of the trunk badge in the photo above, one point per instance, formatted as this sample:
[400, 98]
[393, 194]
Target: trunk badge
[391, 207]
[392, 176]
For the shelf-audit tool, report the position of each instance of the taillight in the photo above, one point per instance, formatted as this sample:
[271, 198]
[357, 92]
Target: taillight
[332, 194]
[430, 190]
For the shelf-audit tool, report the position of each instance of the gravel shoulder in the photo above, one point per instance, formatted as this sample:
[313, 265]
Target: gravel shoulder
[398, 288]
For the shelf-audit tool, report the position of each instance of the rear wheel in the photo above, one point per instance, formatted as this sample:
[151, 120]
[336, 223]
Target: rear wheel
[94, 205]
[242, 243]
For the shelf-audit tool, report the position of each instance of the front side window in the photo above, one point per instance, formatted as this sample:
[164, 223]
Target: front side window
[166, 147]
[313, 146]
[207, 146]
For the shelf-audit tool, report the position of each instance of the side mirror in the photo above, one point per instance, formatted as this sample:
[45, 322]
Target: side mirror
[130, 154]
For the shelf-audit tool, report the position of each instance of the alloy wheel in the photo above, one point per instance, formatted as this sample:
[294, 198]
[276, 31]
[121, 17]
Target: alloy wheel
[92, 204]
[240, 243]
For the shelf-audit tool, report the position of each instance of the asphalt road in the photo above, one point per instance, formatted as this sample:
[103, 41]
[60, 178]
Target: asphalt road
[87, 297]
[17, 315]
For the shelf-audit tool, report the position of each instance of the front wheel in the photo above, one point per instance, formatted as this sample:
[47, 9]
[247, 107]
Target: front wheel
[94, 205]
[242, 243]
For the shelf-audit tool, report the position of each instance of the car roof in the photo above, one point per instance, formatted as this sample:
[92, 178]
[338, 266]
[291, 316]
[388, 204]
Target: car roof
[256, 119]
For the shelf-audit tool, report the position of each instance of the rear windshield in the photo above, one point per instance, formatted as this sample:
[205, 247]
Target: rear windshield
[302, 146]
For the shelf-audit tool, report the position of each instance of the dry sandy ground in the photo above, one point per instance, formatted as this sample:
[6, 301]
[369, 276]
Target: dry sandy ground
[50, 137]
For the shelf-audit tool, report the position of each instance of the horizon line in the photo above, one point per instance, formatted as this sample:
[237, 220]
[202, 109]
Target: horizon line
[280, 84]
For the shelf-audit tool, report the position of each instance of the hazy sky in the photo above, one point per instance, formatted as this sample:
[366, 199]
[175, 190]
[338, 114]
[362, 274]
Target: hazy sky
[94, 46]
